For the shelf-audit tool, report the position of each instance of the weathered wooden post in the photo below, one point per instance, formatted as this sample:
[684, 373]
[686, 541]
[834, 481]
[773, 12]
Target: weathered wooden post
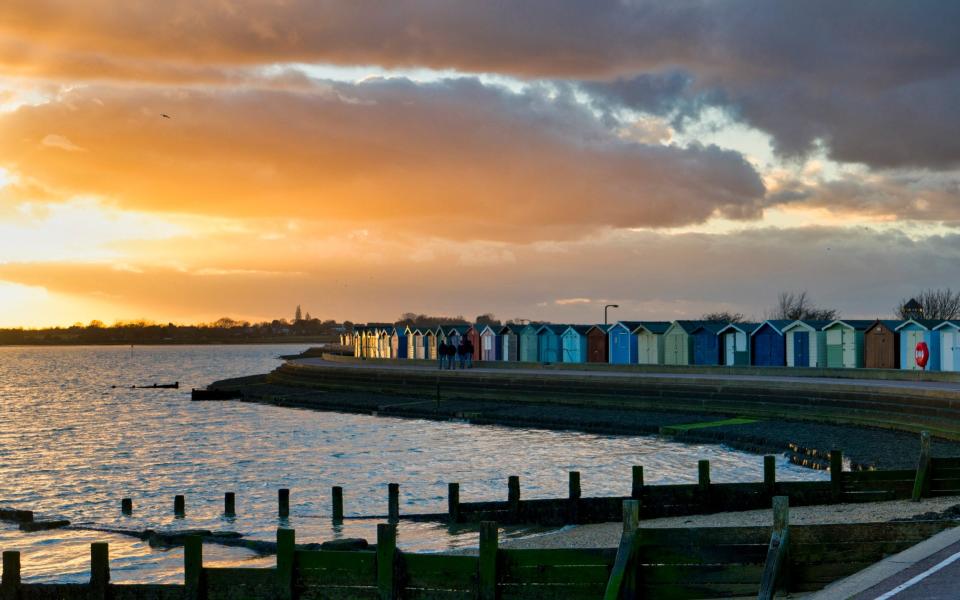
[386, 555]
[703, 483]
[769, 475]
[230, 504]
[921, 484]
[636, 489]
[453, 502]
[836, 475]
[10, 584]
[283, 501]
[99, 569]
[286, 546]
[774, 571]
[513, 496]
[179, 505]
[393, 502]
[192, 566]
[489, 545]
[622, 583]
[573, 498]
[126, 506]
[337, 496]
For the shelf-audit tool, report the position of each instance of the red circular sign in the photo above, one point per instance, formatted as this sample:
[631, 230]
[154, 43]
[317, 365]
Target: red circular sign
[922, 354]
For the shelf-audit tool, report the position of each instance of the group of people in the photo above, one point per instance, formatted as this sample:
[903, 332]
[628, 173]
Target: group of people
[450, 354]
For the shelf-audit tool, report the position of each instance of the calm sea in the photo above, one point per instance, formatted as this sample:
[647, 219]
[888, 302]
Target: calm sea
[73, 445]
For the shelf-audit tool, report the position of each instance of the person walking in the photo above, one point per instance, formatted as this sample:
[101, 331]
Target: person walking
[442, 354]
[468, 352]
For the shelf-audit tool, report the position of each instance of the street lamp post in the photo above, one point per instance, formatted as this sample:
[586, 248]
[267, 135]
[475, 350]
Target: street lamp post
[605, 322]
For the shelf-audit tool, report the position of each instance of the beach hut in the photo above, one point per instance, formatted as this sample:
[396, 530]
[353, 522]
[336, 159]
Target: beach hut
[622, 343]
[735, 343]
[573, 344]
[510, 342]
[768, 344]
[396, 335]
[912, 332]
[649, 336]
[806, 343]
[430, 343]
[844, 339]
[678, 343]
[949, 334]
[597, 350]
[419, 344]
[706, 343]
[529, 343]
[371, 342]
[548, 343]
[455, 333]
[881, 345]
[491, 346]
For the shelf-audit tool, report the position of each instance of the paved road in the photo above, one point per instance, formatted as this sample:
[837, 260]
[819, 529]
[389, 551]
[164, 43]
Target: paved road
[935, 577]
[914, 385]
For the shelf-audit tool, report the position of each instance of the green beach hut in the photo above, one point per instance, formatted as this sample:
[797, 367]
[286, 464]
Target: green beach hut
[844, 339]
[678, 342]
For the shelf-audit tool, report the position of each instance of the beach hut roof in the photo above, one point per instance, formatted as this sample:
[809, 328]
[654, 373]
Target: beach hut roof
[778, 325]
[580, 329]
[628, 325]
[511, 328]
[815, 324]
[555, 328]
[655, 327]
[858, 324]
[747, 328]
[493, 330]
[890, 324]
[928, 324]
[460, 329]
[950, 323]
[601, 327]
[688, 326]
[714, 327]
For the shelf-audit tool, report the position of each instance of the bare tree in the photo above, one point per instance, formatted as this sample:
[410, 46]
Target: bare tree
[487, 319]
[723, 317]
[939, 304]
[798, 305]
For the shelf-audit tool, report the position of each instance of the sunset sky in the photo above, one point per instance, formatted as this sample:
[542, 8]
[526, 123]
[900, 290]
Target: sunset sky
[532, 159]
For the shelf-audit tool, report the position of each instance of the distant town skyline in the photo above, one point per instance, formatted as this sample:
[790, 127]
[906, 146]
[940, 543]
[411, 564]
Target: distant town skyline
[533, 160]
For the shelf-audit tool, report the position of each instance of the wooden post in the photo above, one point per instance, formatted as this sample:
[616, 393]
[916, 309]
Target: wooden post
[192, 566]
[573, 498]
[574, 485]
[393, 502]
[230, 504]
[513, 495]
[636, 490]
[179, 505]
[10, 584]
[99, 569]
[774, 570]
[286, 546]
[703, 483]
[453, 501]
[337, 496]
[921, 484]
[386, 555]
[126, 506]
[283, 501]
[769, 475]
[836, 474]
[622, 583]
[487, 565]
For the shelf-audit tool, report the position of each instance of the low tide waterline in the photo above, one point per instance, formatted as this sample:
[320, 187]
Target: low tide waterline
[72, 445]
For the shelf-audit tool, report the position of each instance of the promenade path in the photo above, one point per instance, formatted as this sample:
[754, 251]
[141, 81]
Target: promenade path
[598, 373]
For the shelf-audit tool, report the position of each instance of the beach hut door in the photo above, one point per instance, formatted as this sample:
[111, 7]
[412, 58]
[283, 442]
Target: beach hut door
[801, 349]
[730, 348]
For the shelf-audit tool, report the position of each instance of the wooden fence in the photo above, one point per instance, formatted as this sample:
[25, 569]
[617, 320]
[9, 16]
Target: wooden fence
[648, 563]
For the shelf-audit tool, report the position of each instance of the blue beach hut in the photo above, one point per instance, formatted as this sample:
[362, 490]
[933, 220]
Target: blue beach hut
[706, 343]
[623, 343]
[573, 343]
[548, 339]
[529, 343]
[768, 346]
[949, 334]
[911, 333]
[735, 344]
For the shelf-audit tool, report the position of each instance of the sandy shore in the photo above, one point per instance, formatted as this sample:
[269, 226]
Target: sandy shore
[607, 535]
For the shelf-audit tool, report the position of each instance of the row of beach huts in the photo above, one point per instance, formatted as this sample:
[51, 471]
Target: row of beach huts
[878, 344]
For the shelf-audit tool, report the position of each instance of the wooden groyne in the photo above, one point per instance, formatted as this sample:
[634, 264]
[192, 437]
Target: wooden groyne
[648, 563]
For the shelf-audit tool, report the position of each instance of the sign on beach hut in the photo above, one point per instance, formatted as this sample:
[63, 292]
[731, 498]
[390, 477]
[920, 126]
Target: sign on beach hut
[548, 337]
[881, 345]
[768, 346]
[845, 343]
[649, 335]
[949, 334]
[573, 344]
[735, 343]
[912, 333]
[622, 343]
[706, 343]
[490, 344]
[678, 343]
[510, 342]
[529, 343]
[597, 350]
[806, 343]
